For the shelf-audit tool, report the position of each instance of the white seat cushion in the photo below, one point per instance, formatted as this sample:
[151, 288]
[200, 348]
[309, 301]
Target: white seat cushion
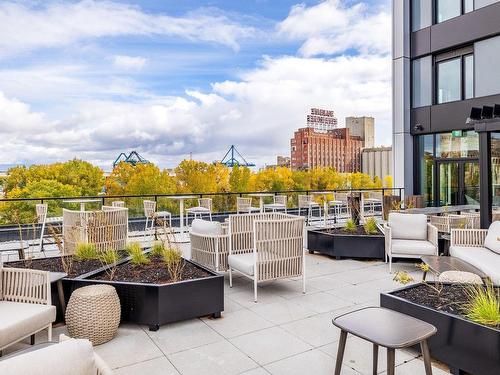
[492, 240]
[274, 205]
[163, 214]
[242, 263]
[479, 257]
[198, 209]
[408, 226]
[212, 228]
[74, 357]
[18, 320]
[413, 247]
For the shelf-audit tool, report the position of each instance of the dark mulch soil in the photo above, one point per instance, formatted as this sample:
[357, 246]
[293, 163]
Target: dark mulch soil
[451, 299]
[154, 272]
[79, 267]
[360, 231]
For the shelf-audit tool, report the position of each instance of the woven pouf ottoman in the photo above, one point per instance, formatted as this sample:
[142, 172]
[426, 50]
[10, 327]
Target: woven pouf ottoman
[460, 277]
[93, 313]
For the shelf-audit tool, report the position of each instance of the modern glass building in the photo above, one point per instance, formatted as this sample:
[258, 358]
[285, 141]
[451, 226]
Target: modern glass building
[446, 60]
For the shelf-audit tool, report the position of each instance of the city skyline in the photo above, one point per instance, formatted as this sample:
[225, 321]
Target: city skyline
[173, 79]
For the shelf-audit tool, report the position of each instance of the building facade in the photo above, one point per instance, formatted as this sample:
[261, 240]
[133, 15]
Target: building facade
[334, 148]
[283, 161]
[363, 127]
[377, 161]
[446, 59]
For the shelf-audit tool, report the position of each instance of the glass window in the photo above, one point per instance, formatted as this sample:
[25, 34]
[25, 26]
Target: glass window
[427, 167]
[421, 14]
[447, 9]
[487, 61]
[460, 144]
[495, 170]
[422, 82]
[469, 76]
[483, 3]
[449, 80]
[468, 6]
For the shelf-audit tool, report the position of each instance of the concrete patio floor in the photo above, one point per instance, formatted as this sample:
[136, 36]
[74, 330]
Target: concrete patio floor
[286, 332]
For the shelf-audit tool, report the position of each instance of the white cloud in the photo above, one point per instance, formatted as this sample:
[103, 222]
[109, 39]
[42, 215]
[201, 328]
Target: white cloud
[258, 113]
[129, 62]
[93, 114]
[59, 24]
[331, 27]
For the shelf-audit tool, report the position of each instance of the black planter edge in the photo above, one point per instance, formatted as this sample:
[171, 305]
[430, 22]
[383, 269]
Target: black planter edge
[452, 343]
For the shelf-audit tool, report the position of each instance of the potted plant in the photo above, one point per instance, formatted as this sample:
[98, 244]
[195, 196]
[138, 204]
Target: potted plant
[467, 318]
[158, 286]
[350, 241]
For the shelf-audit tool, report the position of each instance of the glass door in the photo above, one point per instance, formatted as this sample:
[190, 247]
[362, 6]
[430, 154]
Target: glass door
[471, 183]
[458, 182]
[448, 183]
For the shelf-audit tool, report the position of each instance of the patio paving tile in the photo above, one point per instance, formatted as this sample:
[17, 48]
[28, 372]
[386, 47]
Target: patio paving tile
[156, 366]
[131, 345]
[238, 323]
[221, 358]
[322, 302]
[416, 366]
[356, 294]
[358, 355]
[283, 311]
[270, 345]
[256, 371]
[326, 282]
[176, 337]
[316, 330]
[310, 362]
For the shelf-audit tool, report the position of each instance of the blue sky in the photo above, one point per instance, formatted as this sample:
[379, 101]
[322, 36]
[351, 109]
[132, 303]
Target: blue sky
[90, 79]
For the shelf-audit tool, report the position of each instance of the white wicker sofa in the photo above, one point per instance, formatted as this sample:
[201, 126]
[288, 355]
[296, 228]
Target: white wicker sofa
[409, 236]
[480, 248]
[266, 246]
[69, 356]
[25, 305]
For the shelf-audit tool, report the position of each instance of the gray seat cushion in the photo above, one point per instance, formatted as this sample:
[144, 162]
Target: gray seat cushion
[242, 262]
[413, 247]
[479, 257]
[18, 320]
[408, 226]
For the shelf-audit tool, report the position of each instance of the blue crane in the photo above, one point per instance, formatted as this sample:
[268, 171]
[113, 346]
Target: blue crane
[233, 157]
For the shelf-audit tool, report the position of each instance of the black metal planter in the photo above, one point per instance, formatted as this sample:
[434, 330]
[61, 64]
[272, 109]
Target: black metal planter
[158, 304]
[463, 345]
[346, 245]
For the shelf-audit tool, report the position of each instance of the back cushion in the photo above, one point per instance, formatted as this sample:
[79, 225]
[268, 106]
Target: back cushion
[74, 357]
[492, 240]
[200, 226]
[408, 226]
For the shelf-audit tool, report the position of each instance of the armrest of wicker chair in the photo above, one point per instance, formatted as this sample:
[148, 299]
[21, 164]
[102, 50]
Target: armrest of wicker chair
[25, 285]
[210, 250]
[432, 235]
[468, 237]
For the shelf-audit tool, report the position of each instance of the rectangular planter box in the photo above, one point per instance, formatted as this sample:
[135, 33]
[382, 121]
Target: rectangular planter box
[346, 245]
[460, 343]
[158, 304]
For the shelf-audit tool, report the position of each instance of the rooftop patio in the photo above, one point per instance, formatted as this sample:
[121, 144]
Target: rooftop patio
[286, 332]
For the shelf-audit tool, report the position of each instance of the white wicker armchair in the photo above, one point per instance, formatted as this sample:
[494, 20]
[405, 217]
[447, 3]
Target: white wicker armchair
[244, 205]
[409, 236]
[266, 246]
[25, 305]
[106, 228]
[209, 244]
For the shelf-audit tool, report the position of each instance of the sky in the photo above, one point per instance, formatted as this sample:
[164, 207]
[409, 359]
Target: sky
[90, 79]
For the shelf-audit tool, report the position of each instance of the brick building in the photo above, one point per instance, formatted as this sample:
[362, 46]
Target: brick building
[335, 148]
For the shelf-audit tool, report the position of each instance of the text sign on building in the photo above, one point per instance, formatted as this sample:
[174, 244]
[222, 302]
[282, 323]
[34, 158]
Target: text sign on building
[321, 119]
